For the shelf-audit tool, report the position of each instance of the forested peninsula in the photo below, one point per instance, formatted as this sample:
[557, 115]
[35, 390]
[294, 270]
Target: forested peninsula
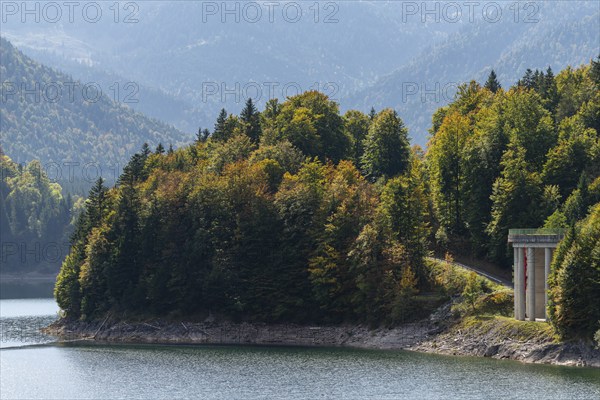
[299, 215]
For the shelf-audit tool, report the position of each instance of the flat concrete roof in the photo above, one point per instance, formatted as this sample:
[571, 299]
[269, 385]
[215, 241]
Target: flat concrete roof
[535, 236]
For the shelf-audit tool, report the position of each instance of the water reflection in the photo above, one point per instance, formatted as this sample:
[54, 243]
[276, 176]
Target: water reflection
[16, 289]
[90, 371]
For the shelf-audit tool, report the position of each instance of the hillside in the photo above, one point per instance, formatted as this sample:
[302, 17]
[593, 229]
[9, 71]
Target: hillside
[372, 49]
[300, 214]
[564, 35]
[61, 121]
[365, 40]
[35, 219]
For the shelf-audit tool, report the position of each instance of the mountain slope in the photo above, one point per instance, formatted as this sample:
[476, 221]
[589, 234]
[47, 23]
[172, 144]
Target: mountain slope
[47, 115]
[174, 49]
[564, 35]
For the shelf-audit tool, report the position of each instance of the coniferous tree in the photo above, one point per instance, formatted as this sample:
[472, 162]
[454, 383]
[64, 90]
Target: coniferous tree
[574, 295]
[372, 114]
[146, 151]
[595, 71]
[528, 80]
[251, 119]
[492, 83]
[517, 199]
[549, 91]
[220, 130]
[202, 135]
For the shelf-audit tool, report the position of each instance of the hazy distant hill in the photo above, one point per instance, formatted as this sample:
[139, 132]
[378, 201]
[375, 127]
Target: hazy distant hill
[173, 51]
[47, 115]
[567, 33]
[362, 57]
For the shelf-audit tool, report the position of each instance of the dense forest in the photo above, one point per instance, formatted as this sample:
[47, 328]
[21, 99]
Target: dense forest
[298, 213]
[51, 117]
[35, 218]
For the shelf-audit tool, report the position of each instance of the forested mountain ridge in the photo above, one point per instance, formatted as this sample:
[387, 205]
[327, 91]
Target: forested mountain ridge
[372, 49]
[298, 213]
[235, 52]
[562, 33]
[50, 117]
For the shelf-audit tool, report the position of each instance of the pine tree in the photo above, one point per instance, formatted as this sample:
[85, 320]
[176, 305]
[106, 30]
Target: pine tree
[550, 91]
[574, 295]
[96, 204]
[516, 197]
[202, 135]
[145, 151]
[372, 114]
[251, 119]
[528, 80]
[492, 83]
[220, 131]
[595, 72]
[160, 149]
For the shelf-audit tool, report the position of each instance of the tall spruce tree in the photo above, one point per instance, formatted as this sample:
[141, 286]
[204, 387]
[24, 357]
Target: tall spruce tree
[492, 83]
[251, 120]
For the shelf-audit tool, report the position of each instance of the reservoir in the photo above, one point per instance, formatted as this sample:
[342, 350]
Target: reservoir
[32, 366]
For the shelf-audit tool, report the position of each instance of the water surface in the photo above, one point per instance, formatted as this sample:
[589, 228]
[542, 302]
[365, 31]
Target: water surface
[84, 371]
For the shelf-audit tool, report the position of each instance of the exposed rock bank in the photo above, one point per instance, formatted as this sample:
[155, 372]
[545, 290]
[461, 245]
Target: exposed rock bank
[437, 335]
[224, 332]
[532, 351]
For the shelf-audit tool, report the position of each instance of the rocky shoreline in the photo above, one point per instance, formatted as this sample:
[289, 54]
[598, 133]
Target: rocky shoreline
[576, 353]
[424, 336]
[226, 332]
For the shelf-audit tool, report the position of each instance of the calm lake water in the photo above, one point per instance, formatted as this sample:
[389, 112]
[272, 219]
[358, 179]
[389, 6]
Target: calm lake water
[32, 367]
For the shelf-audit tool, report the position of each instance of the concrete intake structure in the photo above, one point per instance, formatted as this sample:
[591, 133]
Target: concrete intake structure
[533, 251]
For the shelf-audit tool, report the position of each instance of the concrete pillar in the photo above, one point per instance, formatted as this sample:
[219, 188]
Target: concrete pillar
[516, 280]
[520, 288]
[547, 262]
[531, 283]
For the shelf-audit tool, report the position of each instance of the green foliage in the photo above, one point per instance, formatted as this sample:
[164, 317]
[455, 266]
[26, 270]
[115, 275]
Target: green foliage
[311, 122]
[472, 290]
[500, 160]
[517, 200]
[386, 147]
[260, 233]
[35, 218]
[251, 121]
[269, 218]
[251, 233]
[574, 297]
[505, 327]
[74, 127]
[498, 302]
[356, 125]
[492, 83]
